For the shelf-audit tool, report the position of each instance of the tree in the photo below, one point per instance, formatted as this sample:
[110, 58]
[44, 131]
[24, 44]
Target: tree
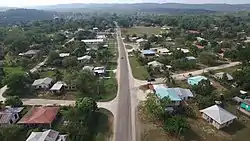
[52, 57]
[13, 101]
[70, 61]
[12, 132]
[154, 108]
[208, 58]
[18, 84]
[58, 75]
[176, 125]
[203, 88]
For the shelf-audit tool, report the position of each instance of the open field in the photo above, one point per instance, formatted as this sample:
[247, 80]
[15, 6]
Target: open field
[141, 30]
[139, 72]
[11, 70]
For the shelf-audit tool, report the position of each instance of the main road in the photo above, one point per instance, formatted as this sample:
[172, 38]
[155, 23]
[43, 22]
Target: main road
[124, 122]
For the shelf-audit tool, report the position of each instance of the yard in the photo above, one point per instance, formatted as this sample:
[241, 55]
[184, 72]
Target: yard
[12, 70]
[199, 130]
[141, 30]
[139, 72]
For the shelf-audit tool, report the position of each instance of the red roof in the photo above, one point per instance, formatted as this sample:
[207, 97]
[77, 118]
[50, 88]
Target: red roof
[199, 46]
[193, 31]
[40, 115]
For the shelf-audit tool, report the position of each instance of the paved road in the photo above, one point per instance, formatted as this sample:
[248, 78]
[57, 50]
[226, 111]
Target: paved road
[123, 126]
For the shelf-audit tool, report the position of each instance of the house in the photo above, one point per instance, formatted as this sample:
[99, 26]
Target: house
[220, 75]
[138, 41]
[217, 116]
[245, 106]
[190, 58]
[168, 39]
[155, 64]
[199, 39]
[101, 37]
[29, 53]
[84, 58]
[62, 55]
[162, 92]
[42, 116]
[99, 71]
[88, 68]
[147, 53]
[195, 80]
[58, 87]
[93, 41]
[192, 32]
[10, 115]
[162, 51]
[183, 50]
[48, 135]
[43, 83]
[184, 94]
[199, 46]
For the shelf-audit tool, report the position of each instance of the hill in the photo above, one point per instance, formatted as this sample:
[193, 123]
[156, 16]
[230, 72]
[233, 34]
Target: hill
[15, 16]
[139, 6]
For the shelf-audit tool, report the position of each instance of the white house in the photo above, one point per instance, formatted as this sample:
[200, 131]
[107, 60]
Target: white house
[184, 50]
[93, 41]
[138, 41]
[10, 115]
[62, 55]
[84, 58]
[43, 83]
[217, 116]
[220, 75]
[49, 135]
[99, 70]
[155, 64]
[88, 68]
[58, 87]
[101, 37]
[162, 51]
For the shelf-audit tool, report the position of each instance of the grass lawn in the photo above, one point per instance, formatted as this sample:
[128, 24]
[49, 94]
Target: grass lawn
[11, 70]
[139, 72]
[128, 47]
[141, 30]
[111, 87]
[104, 130]
[50, 74]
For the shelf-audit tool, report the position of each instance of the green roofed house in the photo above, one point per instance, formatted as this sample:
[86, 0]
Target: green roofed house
[245, 106]
[195, 80]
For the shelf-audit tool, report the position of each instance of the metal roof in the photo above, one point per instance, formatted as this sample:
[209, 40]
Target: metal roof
[218, 114]
[45, 80]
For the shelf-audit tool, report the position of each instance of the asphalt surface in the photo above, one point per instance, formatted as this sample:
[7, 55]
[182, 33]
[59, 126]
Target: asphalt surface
[123, 124]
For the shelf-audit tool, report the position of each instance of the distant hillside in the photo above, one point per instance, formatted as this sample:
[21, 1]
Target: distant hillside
[150, 6]
[15, 16]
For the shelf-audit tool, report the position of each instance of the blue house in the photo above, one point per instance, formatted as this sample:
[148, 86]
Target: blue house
[148, 53]
[163, 92]
[195, 80]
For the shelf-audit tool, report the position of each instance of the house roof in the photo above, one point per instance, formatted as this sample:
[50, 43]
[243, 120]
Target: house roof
[184, 50]
[162, 92]
[196, 79]
[220, 75]
[141, 40]
[5, 117]
[64, 54]
[58, 85]
[30, 52]
[182, 93]
[93, 41]
[190, 58]
[148, 52]
[162, 50]
[155, 64]
[86, 57]
[99, 70]
[45, 80]
[90, 68]
[199, 46]
[40, 115]
[49, 135]
[218, 114]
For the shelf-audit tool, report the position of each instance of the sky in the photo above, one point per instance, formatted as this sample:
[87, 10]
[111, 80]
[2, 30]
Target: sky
[28, 3]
